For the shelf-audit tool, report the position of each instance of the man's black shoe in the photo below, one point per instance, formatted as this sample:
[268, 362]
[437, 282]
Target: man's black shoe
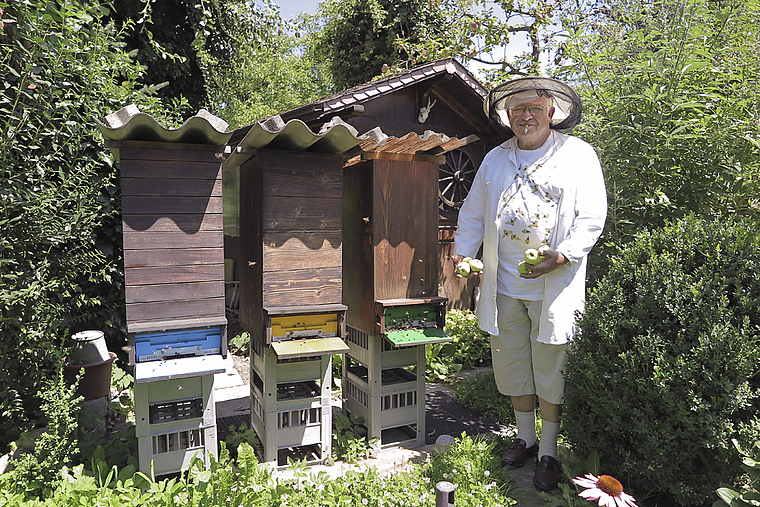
[547, 473]
[518, 454]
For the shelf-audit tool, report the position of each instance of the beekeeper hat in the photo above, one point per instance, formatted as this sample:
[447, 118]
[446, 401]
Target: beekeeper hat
[567, 103]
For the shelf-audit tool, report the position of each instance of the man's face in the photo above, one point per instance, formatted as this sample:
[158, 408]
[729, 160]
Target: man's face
[531, 128]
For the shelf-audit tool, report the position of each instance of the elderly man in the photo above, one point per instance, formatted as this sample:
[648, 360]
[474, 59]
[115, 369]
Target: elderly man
[540, 189]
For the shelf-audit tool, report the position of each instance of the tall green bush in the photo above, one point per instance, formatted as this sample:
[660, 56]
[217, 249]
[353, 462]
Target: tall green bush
[60, 246]
[671, 104]
[663, 372]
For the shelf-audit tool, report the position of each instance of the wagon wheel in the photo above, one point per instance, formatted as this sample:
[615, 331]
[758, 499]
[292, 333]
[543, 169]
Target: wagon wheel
[455, 178]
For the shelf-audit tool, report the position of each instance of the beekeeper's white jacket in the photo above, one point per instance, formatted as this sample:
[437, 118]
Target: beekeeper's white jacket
[580, 220]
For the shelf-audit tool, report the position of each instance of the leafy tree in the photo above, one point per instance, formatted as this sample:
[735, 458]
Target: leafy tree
[488, 34]
[163, 35]
[358, 37]
[671, 104]
[60, 247]
[260, 67]
[362, 39]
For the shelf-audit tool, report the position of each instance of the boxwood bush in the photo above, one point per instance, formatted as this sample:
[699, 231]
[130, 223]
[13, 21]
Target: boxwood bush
[663, 371]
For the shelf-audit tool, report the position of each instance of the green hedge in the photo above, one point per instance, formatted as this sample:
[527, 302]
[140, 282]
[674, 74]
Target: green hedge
[61, 66]
[663, 372]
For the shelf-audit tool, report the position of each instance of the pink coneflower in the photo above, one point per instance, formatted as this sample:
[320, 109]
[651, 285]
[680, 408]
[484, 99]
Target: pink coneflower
[606, 489]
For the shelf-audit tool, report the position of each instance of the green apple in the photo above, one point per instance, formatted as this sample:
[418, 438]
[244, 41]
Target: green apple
[463, 268]
[476, 265]
[544, 249]
[533, 257]
[522, 268]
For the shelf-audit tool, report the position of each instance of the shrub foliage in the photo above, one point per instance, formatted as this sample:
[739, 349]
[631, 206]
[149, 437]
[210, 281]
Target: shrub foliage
[60, 246]
[663, 372]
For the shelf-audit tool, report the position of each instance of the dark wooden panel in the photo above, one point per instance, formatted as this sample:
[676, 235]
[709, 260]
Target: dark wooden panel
[175, 274]
[134, 205]
[304, 214]
[249, 268]
[294, 252]
[171, 187]
[302, 287]
[173, 291]
[171, 257]
[170, 169]
[172, 240]
[183, 323]
[165, 310]
[358, 270]
[405, 217]
[313, 240]
[170, 152]
[272, 160]
[185, 223]
[309, 181]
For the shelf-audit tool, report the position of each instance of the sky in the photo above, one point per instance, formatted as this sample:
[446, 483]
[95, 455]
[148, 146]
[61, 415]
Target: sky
[291, 8]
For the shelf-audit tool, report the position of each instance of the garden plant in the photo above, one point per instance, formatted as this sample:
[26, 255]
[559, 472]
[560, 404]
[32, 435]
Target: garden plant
[663, 373]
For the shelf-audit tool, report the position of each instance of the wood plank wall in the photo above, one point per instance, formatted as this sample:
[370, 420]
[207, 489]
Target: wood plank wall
[391, 235]
[291, 232]
[405, 217]
[173, 236]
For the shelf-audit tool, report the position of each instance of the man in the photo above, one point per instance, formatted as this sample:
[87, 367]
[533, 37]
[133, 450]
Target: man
[539, 189]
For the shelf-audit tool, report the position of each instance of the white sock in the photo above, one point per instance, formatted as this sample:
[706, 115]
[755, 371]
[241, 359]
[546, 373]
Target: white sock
[548, 444]
[526, 426]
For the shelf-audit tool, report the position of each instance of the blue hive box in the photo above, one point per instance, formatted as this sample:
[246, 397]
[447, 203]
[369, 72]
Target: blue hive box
[174, 344]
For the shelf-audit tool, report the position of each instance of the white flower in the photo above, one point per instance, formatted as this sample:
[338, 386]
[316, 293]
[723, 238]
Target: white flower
[487, 473]
[606, 489]
[365, 501]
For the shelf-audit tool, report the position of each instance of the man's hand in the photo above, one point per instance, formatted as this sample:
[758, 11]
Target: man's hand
[456, 259]
[552, 260]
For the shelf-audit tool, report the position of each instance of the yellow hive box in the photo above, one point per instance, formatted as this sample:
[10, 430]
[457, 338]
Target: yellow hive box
[318, 325]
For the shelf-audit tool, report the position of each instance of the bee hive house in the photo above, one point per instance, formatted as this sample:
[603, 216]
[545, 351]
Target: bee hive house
[174, 281]
[390, 262]
[291, 296]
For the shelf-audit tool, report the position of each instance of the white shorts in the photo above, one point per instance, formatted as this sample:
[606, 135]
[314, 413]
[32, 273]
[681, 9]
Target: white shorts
[522, 365]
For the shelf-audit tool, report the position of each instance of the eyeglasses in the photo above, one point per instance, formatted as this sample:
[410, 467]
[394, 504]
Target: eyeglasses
[533, 110]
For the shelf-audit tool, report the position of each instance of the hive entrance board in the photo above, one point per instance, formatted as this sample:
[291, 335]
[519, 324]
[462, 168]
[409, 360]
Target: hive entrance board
[416, 324]
[294, 349]
[408, 337]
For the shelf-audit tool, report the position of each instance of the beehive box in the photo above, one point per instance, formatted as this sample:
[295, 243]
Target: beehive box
[291, 234]
[390, 269]
[390, 234]
[173, 236]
